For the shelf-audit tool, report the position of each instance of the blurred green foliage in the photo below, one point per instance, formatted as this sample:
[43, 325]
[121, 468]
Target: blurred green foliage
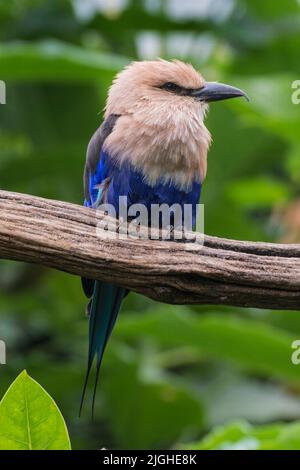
[171, 374]
[241, 436]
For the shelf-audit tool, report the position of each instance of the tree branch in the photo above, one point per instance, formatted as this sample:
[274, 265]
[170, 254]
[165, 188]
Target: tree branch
[63, 236]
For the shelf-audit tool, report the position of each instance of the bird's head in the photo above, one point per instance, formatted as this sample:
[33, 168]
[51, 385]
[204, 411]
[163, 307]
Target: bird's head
[162, 106]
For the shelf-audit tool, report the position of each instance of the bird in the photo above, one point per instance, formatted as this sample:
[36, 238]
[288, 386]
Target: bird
[152, 148]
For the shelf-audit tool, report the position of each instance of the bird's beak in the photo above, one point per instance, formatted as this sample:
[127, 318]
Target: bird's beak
[214, 91]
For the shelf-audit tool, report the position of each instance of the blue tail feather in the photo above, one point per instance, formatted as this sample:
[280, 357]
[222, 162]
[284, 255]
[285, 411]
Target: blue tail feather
[105, 306]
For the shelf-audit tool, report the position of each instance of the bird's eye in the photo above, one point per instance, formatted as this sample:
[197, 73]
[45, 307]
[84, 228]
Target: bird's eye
[169, 86]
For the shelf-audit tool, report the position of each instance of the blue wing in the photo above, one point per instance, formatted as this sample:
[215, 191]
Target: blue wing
[106, 298]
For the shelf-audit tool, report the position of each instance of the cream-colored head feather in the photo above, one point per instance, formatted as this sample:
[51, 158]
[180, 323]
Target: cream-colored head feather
[162, 134]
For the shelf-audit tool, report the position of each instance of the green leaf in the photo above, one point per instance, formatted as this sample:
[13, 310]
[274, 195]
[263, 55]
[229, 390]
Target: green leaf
[152, 407]
[56, 61]
[226, 437]
[252, 345]
[30, 419]
[243, 436]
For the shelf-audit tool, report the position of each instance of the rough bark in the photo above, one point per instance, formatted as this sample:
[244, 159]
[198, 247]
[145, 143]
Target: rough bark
[63, 236]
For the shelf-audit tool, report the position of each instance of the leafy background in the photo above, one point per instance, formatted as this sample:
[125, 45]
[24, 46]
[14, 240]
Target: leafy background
[171, 374]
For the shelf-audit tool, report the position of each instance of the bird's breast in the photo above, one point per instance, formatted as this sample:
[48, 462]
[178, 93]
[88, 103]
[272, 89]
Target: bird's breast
[174, 152]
